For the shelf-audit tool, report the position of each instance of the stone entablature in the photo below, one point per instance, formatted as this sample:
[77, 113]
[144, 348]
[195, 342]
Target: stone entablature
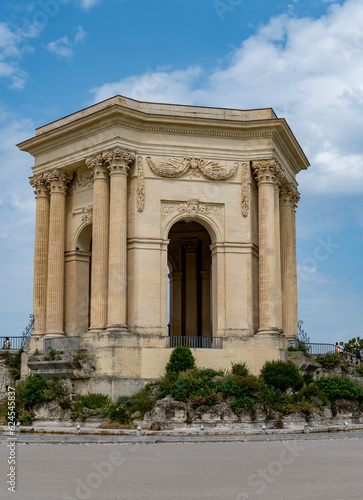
[124, 193]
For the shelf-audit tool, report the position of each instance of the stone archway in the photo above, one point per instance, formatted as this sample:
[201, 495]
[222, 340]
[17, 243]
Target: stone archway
[190, 259]
[78, 264]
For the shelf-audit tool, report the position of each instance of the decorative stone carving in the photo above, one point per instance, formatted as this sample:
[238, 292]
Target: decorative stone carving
[87, 215]
[39, 183]
[177, 167]
[57, 181]
[140, 185]
[190, 245]
[289, 195]
[83, 178]
[118, 160]
[96, 163]
[245, 203]
[191, 209]
[267, 171]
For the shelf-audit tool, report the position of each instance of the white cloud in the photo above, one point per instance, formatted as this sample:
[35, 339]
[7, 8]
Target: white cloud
[87, 4]
[159, 86]
[64, 47]
[9, 55]
[309, 70]
[61, 47]
[81, 35]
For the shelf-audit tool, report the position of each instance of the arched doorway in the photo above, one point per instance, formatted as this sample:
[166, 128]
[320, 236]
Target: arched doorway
[190, 277]
[78, 283]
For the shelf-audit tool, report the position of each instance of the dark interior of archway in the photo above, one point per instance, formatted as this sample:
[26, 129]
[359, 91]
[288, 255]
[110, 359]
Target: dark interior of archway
[189, 257]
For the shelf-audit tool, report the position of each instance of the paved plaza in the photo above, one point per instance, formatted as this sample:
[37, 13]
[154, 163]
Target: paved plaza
[304, 469]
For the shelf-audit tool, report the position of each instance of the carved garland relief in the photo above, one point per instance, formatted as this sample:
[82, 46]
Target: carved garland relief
[177, 167]
[245, 203]
[140, 185]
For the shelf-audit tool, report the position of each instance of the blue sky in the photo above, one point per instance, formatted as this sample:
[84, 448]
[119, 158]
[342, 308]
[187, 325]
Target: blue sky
[303, 58]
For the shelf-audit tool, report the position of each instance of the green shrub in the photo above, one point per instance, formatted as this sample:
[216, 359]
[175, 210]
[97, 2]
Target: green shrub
[118, 413]
[33, 390]
[94, 401]
[345, 366]
[80, 354]
[193, 383]
[249, 383]
[239, 369]
[359, 369]
[231, 387]
[243, 402]
[314, 394]
[329, 361]
[142, 401]
[13, 362]
[340, 388]
[181, 359]
[282, 376]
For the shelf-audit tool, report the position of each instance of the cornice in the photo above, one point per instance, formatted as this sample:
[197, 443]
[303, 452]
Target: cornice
[176, 120]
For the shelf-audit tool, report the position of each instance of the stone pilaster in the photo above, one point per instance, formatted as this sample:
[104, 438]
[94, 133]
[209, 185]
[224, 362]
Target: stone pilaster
[38, 182]
[191, 291]
[289, 197]
[100, 236]
[117, 161]
[268, 176]
[57, 182]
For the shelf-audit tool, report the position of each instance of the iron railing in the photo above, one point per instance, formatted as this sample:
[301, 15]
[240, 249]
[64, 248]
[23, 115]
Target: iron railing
[195, 342]
[312, 347]
[321, 349]
[15, 343]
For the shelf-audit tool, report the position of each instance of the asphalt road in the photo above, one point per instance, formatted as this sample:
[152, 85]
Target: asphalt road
[295, 470]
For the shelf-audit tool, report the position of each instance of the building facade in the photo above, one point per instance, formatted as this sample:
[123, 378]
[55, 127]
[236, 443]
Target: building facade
[160, 225]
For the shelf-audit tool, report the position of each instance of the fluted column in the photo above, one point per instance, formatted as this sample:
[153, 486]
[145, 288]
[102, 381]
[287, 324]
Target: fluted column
[100, 235]
[191, 292]
[278, 255]
[268, 175]
[117, 161]
[289, 197]
[57, 182]
[38, 182]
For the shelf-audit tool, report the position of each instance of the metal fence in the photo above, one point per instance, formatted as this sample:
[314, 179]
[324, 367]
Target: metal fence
[15, 343]
[321, 349]
[196, 342]
[312, 347]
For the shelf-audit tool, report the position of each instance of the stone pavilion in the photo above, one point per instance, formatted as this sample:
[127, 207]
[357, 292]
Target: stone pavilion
[160, 225]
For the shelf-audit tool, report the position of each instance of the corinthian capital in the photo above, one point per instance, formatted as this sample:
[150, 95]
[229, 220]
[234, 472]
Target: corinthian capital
[57, 181]
[97, 165]
[267, 171]
[190, 246]
[118, 160]
[289, 195]
[39, 183]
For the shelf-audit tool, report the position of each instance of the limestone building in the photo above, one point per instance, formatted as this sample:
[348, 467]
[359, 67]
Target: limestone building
[149, 214]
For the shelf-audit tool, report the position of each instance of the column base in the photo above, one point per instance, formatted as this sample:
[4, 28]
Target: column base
[53, 334]
[95, 329]
[119, 328]
[269, 331]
